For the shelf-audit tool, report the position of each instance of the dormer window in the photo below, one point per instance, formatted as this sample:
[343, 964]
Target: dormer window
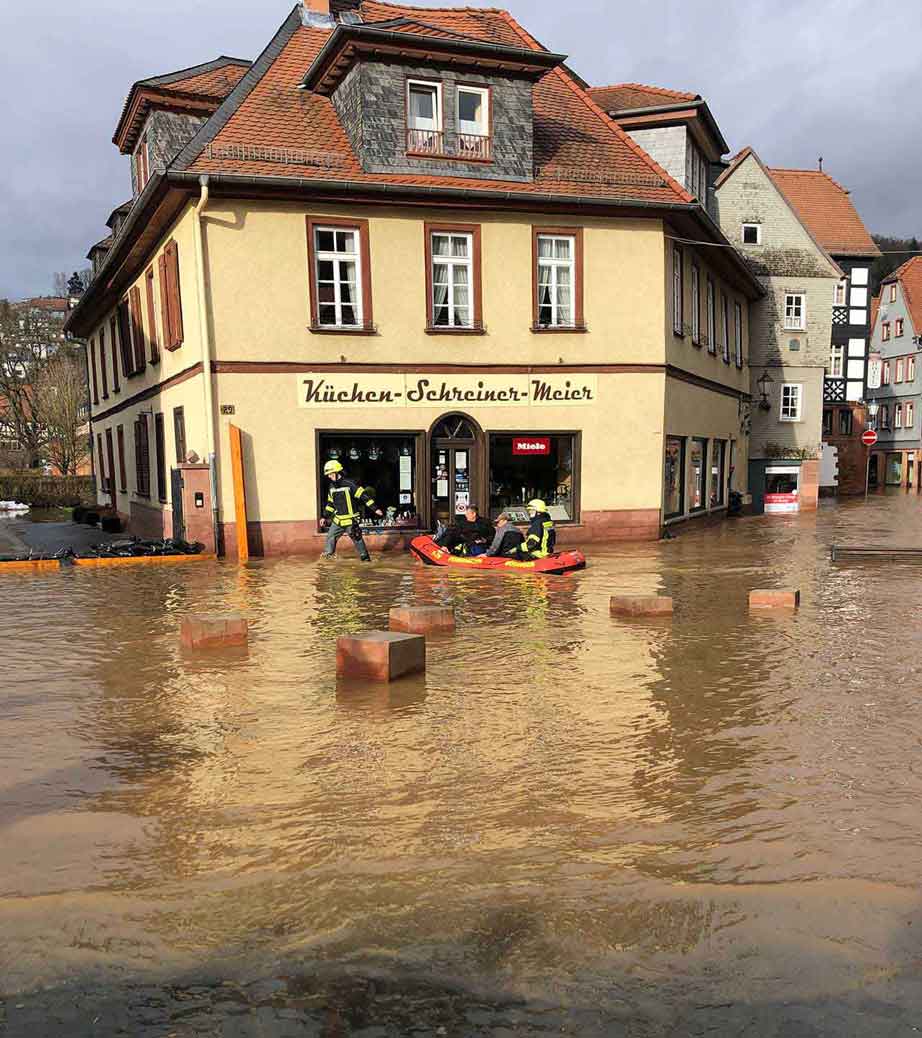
[424, 118]
[473, 113]
[142, 164]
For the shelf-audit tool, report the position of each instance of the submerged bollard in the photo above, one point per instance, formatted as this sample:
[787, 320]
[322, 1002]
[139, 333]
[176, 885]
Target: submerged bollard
[213, 630]
[765, 599]
[641, 605]
[380, 655]
[422, 619]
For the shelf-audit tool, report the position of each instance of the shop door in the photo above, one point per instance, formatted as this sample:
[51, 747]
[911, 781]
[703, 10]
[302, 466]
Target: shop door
[455, 454]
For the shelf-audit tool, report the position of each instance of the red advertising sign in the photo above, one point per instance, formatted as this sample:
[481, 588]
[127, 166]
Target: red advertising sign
[869, 438]
[537, 445]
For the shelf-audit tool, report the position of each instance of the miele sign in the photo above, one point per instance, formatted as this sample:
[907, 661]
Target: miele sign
[536, 445]
[336, 392]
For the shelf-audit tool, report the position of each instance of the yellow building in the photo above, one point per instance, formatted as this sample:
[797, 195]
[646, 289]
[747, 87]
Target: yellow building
[410, 240]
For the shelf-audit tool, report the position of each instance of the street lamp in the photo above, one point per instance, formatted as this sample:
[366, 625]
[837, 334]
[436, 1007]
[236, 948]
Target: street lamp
[873, 408]
[763, 383]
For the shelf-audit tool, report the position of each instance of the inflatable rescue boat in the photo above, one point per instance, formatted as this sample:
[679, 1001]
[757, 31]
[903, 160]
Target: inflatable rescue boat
[432, 554]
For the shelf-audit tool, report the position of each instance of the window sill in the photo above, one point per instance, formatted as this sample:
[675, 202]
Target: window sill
[357, 329]
[438, 330]
[170, 349]
[559, 329]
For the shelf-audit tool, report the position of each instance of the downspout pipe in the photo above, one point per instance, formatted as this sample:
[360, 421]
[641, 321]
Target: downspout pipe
[205, 338]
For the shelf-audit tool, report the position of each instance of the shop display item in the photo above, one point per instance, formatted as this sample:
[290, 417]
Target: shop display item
[425, 549]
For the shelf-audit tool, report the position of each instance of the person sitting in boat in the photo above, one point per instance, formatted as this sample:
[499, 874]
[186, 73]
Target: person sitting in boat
[541, 537]
[508, 539]
[468, 535]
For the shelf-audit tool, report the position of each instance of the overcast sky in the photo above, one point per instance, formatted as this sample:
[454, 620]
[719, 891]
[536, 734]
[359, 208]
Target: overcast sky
[837, 78]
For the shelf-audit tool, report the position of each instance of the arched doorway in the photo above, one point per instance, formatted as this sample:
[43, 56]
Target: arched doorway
[456, 457]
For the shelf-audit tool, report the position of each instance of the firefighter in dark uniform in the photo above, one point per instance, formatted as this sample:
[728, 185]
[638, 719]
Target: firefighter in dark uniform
[344, 501]
[540, 537]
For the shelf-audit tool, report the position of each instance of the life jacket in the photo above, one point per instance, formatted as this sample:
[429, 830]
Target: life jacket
[344, 501]
[541, 536]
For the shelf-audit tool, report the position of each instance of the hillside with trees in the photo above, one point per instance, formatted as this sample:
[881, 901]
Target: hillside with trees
[896, 252]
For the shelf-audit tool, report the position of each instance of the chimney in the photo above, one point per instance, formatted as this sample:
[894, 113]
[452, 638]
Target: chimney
[317, 13]
[321, 7]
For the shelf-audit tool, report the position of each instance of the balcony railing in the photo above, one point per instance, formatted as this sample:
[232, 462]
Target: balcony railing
[471, 146]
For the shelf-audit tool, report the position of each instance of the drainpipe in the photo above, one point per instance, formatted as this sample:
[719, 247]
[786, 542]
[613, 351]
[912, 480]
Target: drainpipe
[205, 336]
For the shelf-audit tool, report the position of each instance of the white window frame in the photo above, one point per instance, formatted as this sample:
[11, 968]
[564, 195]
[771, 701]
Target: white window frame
[725, 321]
[885, 416]
[898, 373]
[336, 258]
[428, 84]
[555, 265]
[909, 419]
[893, 293]
[910, 369]
[453, 262]
[678, 289]
[791, 391]
[898, 327]
[484, 92]
[836, 360]
[738, 333]
[840, 294]
[885, 331]
[885, 376]
[794, 301]
[750, 226]
[711, 311]
[897, 416]
[696, 304]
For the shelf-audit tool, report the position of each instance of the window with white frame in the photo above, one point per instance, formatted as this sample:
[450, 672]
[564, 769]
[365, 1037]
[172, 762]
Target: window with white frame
[911, 369]
[338, 276]
[452, 280]
[893, 293]
[424, 117]
[473, 111]
[725, 327]
[836, 361]
[885, 416]
[795, 311]
[791, 401]
[752, 234]
[898, 327]
[738, 333]
[885, 331]
[677, 314]
[711, 320]
[696, 304]
[886, 374]
[898, 375]
[838, 295]
[556, 280]
[898, 416]
[909, 415]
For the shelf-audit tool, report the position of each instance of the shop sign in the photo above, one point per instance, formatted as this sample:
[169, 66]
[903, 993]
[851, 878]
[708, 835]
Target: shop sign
[539, 446]
[786, 497]
[875, 370]
[337, 392]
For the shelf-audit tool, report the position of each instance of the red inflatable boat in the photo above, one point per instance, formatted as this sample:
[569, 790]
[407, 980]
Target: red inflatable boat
[426, 549]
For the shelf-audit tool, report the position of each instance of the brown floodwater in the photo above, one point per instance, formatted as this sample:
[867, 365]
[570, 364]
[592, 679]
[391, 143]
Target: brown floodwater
[705, 824]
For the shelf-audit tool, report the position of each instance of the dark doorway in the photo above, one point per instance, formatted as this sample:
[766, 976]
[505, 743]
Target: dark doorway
[456, 460]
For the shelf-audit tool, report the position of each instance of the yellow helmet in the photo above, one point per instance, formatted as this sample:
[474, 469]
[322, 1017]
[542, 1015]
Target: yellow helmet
[536, 505]
[331, 467]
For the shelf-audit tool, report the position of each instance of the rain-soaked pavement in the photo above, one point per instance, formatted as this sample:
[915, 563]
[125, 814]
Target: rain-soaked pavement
[570, 825]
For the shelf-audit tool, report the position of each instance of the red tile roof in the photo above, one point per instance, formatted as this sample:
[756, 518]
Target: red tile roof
[826, 209]
[281, 131]
[909, 276]
[621, 96]
[875, 309]
[217, 82]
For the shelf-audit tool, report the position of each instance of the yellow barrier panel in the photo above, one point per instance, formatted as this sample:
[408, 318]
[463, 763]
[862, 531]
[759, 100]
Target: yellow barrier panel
[240, 504]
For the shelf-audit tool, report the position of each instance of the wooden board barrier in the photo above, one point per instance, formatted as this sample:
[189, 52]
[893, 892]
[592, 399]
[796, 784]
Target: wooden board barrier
[240, 503]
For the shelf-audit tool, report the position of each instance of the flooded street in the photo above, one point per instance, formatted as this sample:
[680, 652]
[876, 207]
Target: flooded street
[571, 824]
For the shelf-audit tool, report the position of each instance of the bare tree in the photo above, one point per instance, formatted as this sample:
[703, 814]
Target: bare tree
[61, 399]
[22, 354]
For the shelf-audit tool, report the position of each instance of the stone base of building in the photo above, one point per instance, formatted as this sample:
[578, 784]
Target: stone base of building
[149, 522]
[301, 537]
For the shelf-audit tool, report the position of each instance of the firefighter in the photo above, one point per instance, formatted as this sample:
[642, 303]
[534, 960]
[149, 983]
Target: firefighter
[344, 502]
[540, 538]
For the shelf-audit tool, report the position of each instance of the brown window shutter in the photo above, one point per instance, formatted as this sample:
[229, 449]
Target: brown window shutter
[124, 338]
[172, 264]
[122, 473]
[92, 358]
[113, 336]
[164, 302]
[179, 434]
[137, 330]
[102, 364]
[152, 318]
[100, 463]
[160, 447]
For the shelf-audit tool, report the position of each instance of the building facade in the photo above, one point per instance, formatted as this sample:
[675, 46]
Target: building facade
[896, 382]
[351, 258]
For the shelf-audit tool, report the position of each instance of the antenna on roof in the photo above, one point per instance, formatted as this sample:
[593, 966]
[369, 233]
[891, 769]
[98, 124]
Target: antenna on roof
[820, 160]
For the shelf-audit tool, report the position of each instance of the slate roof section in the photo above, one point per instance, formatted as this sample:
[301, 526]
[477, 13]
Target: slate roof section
[627, 96]
[909, 276]
[268, 127]
[826, 209]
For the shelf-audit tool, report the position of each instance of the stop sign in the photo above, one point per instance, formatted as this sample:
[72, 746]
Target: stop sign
[869, 438]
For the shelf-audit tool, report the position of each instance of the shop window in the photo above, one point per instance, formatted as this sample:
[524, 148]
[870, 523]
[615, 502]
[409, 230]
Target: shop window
[697, 475]
[673, 478]
[558, 279]
[528, 465]
[718, 472]
[453, 279]
[845, 422]
[827, 423]
[782, 487]
[384, 462]
[340, 286]
[894, 469]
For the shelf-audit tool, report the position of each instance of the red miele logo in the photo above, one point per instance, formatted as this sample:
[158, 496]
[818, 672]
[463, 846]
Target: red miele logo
[531, 445]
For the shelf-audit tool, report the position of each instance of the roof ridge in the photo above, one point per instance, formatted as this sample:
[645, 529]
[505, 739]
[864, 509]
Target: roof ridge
[453, 7]
[667, 91]
[584, 96]
[811, 173]
[898, 273]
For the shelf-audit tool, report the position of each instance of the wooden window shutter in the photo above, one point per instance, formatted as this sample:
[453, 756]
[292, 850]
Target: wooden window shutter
[102, 364]
[124, 338]
[164, 302]
[100, 462]
[122, 472]
[152, 318]
[114, 337]
[171, 253]
[137, 330]
[160, 448]
[92, 358]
